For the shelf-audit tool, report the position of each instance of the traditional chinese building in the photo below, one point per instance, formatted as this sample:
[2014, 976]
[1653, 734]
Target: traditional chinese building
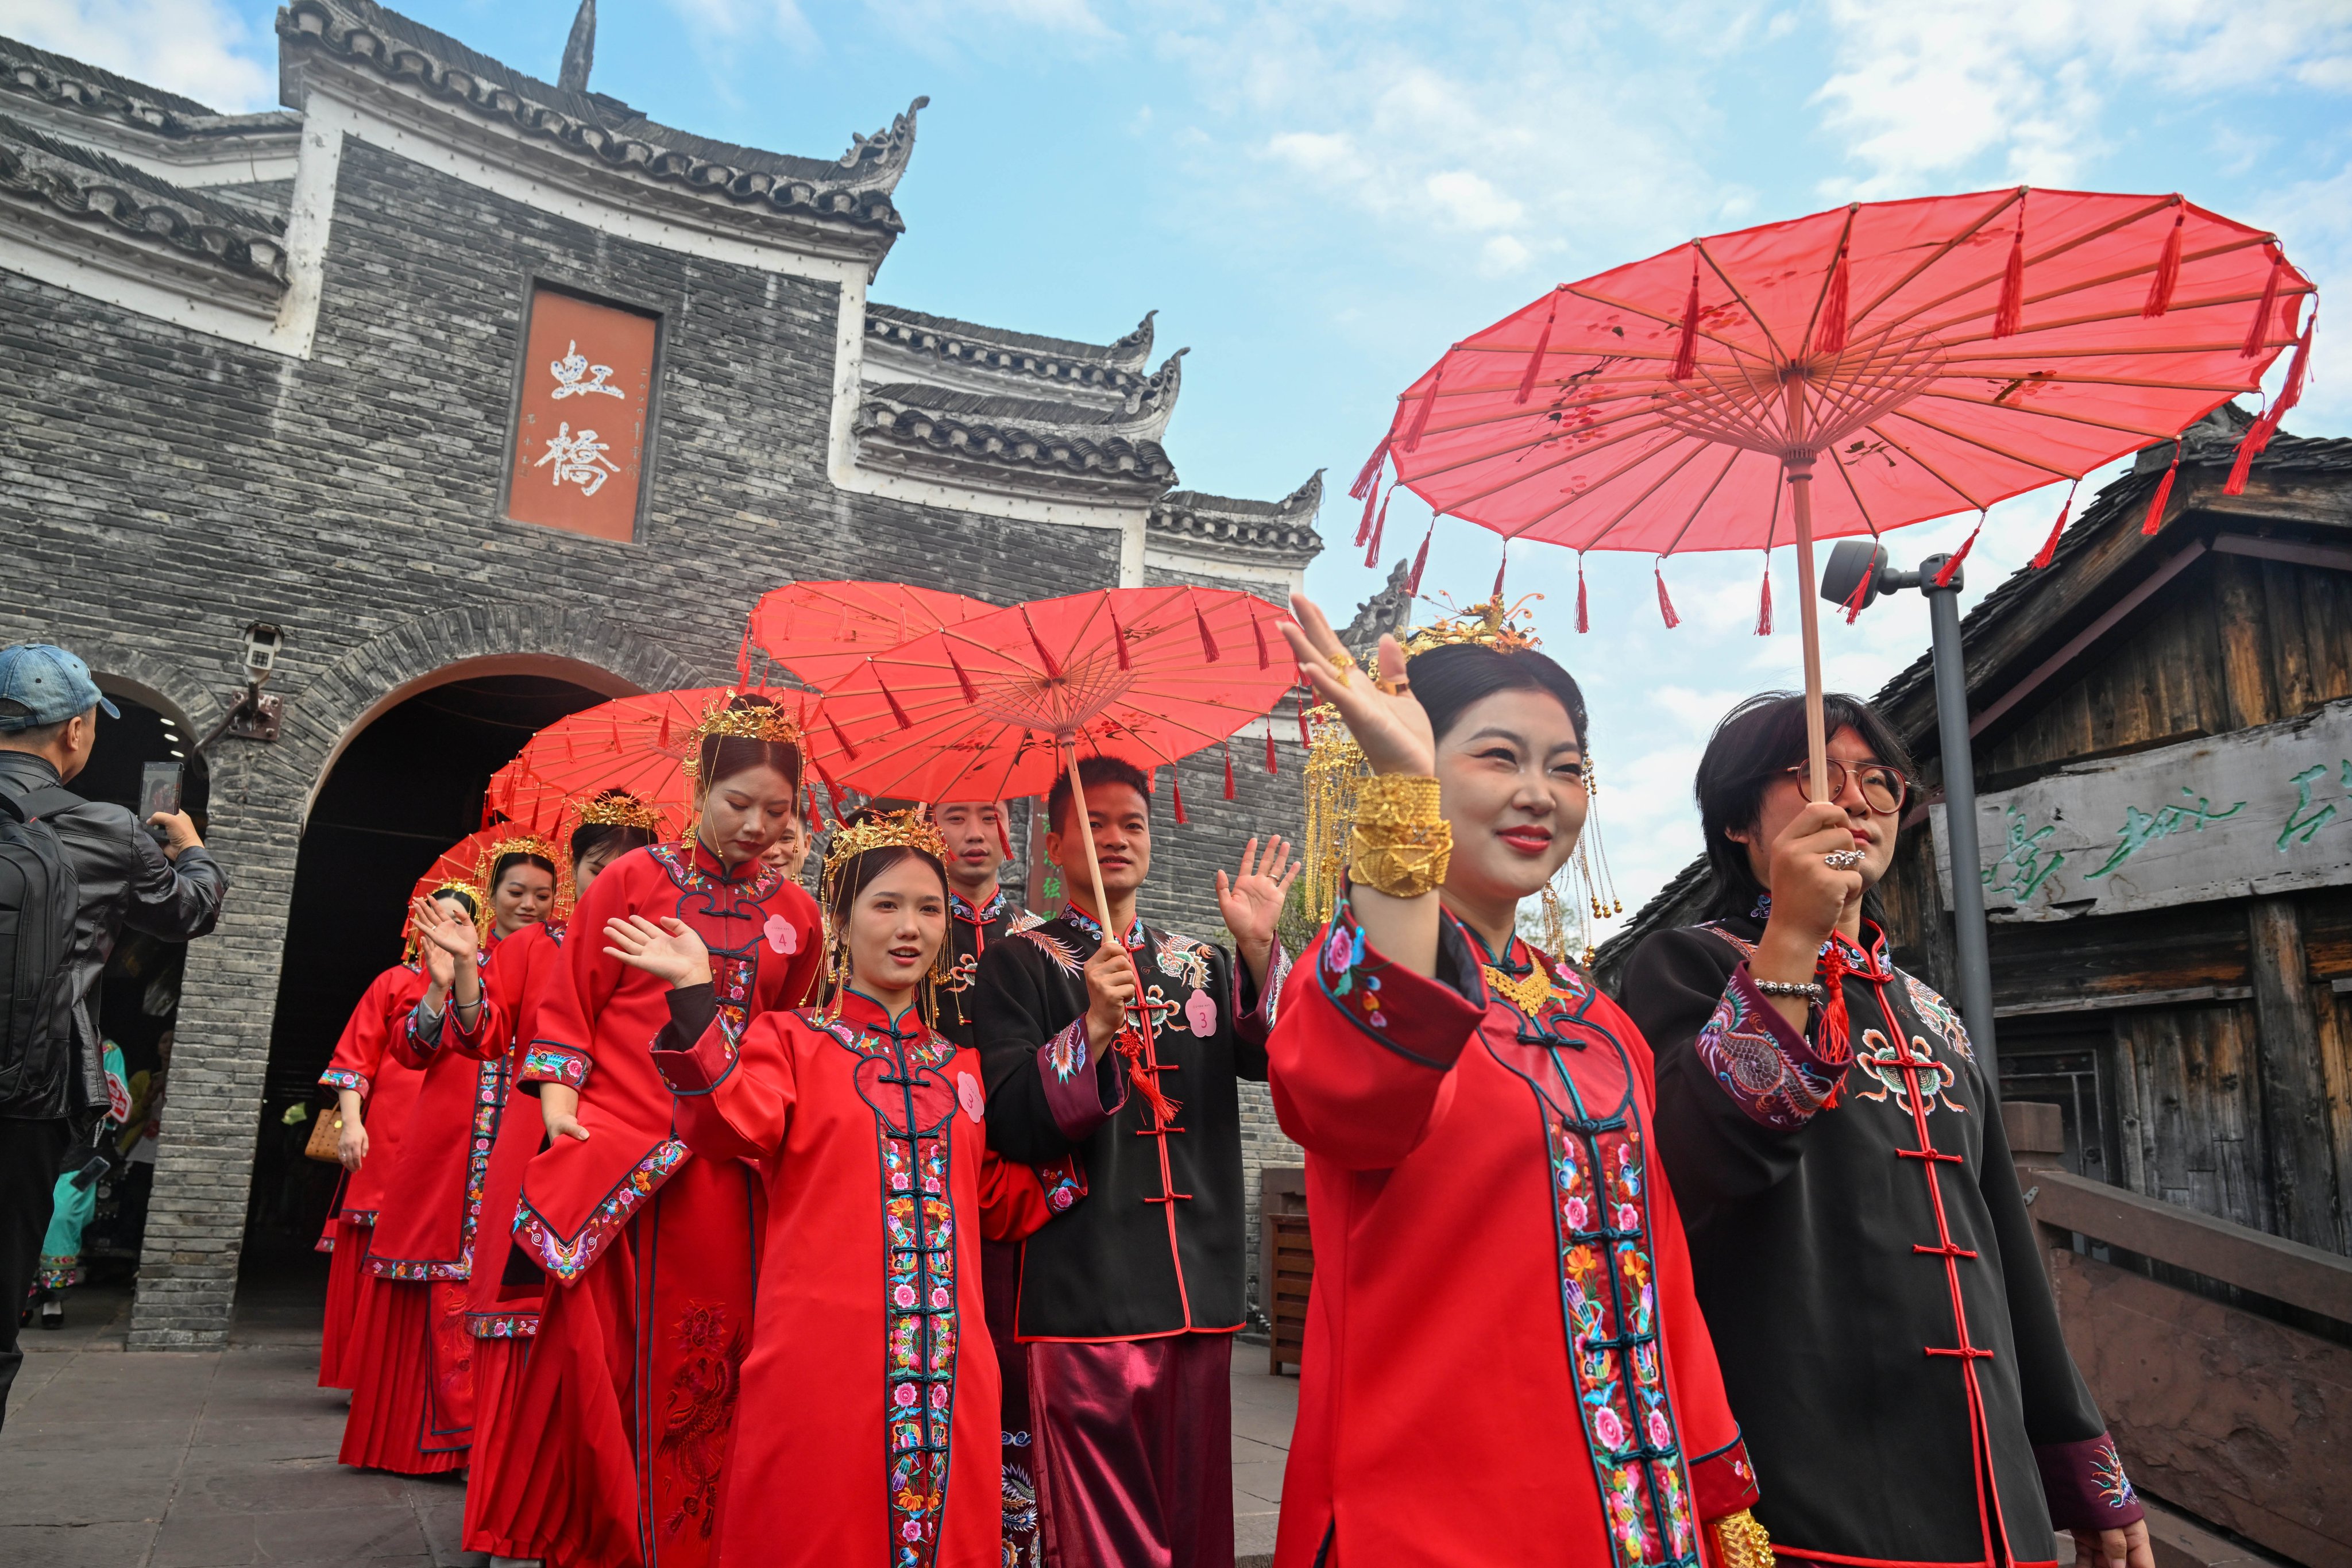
[2162, 723]
[496, 399]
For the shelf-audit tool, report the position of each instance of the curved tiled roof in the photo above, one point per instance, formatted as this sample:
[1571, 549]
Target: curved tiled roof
[91, 187]
[1064, 451]
[1145, 408]
[1285, 527]
[854, 189]
[70, 84]
[1111, 365]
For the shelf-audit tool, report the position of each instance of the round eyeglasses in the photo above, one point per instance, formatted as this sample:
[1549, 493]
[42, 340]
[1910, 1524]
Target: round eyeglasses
[1884, 788]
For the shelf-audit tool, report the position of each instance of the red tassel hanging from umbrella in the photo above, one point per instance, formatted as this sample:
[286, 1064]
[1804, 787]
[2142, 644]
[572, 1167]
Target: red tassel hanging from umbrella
[1764, 606]
[964, 681]
[1584, 620]
[1421, 415]
[1665, 605]
[743, 656]
[1835, 307]
[2259, 330]
[897, 711]
[1208, 643]
[1380, 527]
[2048, 550]
[2258, 435]
[1053, 666]
[2163, 494]
[1364, 524]
[1686, 347]
[1270, 766]
[2167, 267]
[1500, 567]
[1304, 737]
[1265, 654]
[1176, 783]
[1944, 575]
[1004, 835]
[1420, 560]
[1368, 477]
[1535, 360]
[1856, 600]
[1229, 770]
[2009, 315]
[1118, 637]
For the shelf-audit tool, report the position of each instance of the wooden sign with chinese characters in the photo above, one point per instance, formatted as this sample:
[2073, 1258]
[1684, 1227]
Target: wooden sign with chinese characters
[2267, 810]
[580, 424]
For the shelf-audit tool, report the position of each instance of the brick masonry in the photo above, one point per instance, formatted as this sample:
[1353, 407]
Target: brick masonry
[159, 488]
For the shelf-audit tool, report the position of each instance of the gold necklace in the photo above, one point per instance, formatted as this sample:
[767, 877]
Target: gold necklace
[1529, 993]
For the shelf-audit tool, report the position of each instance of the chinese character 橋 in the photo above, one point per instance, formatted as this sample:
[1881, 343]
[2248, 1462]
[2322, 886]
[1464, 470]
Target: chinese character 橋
[578, 460]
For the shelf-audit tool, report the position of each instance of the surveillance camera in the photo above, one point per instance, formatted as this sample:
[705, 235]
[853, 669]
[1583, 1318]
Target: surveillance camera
[262, 642]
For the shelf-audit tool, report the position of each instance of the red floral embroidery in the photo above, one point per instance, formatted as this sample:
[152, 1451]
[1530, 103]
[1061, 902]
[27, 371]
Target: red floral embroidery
[699, 1412]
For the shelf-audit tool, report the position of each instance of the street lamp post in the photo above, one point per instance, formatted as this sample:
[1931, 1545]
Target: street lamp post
[1859, 566]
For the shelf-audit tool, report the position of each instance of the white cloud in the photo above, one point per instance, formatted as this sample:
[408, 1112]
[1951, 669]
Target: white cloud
[197, 48]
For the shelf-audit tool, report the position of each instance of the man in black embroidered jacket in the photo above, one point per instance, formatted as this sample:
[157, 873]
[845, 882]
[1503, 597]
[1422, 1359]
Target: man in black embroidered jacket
[1128, 1303]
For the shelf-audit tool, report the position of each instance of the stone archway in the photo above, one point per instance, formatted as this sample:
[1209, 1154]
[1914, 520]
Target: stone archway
[261, 795]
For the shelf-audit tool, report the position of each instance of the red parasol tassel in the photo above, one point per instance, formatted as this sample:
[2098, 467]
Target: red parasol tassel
[1665, 605]
[1364, 524]
[1500, 567]
[2048, 550]
[1583, 621]
[2009, 315]
[840, 739]
[486, 814]
[834, 796]
[1380, 527]
[2258, 328]
[2163, 494]
[1118, 635]
[1304, 738]
[971, 692]
[1265, 654]
[1229, 770]
[1686, 349]
[1535, 360]
[2168, 268]
[1004, 835]
[2258, 435]
[815, 816]
[1208, 643]
[1270, 766]
[1421, 415]
[1764, 608]
[1176, 782]
[1053, 666]
[1856, 600]
[743, 656]
[1420, 560]
[1943, 574]
[662, 743]
[890, 697]
[1368, 478]
[1835, 306]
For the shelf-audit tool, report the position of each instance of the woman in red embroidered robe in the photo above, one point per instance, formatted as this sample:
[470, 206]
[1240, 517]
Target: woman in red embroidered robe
[413, 1405]
[1504, 1360]
[503, 1307]
[628, 1401]
[869, 1432]
[374, 1092]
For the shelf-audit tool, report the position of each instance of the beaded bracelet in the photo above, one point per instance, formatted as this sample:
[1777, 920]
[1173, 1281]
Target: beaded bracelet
[1810, 990]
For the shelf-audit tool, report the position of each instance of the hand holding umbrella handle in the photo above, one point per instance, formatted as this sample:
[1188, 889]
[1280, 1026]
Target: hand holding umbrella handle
[1382, 714]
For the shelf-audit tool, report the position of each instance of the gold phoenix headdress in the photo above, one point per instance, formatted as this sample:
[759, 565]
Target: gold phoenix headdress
[909, 829]
[1335, 770]
[409, 940]
[617, 808]
[499, 850]
[761, 722]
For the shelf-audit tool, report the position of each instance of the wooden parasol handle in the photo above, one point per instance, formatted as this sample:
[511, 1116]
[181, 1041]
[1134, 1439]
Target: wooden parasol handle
[1797, 462]
[1085, 823]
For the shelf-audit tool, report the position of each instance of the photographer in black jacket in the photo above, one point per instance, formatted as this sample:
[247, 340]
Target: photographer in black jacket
[52, 1082]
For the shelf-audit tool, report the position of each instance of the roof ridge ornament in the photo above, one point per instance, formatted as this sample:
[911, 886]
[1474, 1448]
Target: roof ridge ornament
[579, 50]
[1135, 347]
[875, 163]
[1307, 497]
[1160, 389]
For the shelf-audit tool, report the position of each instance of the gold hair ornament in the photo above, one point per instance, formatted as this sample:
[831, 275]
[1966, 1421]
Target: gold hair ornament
[411, 941]
[762, 721]
[521, 844]
[617, 809]
[908, 829]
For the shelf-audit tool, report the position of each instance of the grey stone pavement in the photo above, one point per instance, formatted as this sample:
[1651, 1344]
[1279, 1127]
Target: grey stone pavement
[223, 1458]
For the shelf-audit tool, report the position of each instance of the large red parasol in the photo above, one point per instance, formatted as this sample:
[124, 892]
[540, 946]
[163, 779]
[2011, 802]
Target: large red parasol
[1926, 357]
[991, 707]
[640, 744]
[821, 631]
[467, 864]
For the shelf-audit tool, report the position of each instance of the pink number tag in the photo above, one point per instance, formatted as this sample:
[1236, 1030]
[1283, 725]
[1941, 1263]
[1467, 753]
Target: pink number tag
[783, 936]
[1201, 1014]
[968, 1095]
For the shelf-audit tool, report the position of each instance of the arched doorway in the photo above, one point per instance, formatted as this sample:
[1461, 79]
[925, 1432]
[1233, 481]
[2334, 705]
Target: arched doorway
[405, 785]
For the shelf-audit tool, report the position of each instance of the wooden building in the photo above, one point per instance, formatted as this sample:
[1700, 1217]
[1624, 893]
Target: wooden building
[2163, 751]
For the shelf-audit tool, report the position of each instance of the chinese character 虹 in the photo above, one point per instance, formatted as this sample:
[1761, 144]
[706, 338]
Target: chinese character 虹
[571, 367]
[578, 460]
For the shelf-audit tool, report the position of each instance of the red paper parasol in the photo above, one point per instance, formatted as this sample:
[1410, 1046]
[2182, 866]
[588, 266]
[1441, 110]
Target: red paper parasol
[468, 863]
[821, 631]
[1926, 357]
[640, 744]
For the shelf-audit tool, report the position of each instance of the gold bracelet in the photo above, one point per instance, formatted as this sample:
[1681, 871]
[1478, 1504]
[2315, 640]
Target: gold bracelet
[1742, 1543]
[1401, 846]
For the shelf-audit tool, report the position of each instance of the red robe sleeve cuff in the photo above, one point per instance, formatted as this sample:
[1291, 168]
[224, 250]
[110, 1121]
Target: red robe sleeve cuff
[1422, 1019]
[341, 1079]
[1063, 1182]
[1780, 1078]
[2085, 1485]
[701, 1067]
[1724, 1482]
[1253, 1019]
[1082, 1089]
[547, 1061]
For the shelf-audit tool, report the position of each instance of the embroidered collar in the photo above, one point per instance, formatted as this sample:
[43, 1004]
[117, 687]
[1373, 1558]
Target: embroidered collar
[864, 1012]
[692, 866]
[1868, 958]
[979, 915]
[1093, 928]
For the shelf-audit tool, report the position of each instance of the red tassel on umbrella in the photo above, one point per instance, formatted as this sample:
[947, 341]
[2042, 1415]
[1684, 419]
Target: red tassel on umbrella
[971, 692]
[1176, 782]
[1229, 770]
[1943, 574]
[1118, 637]
[2008, 316]
[1368, 477]
[2048, 550]
[2163, 494]
[1208, 643]
[1364, 523]
[1265, 655]
[2168, 268]
[1500, 567]
[840, 739]
[1535, 360]
[1053, 666]
[2258, 328]
[743, 656]
[1764, 608]
[810, 815]
[1835, 306]
[1583, 621]
[1686, 349]
[1860, 594]
[1304, 737]
[1004, 835]
[1421, 415]
[1380, 527]
[891, 697]
[1270, 766]
[2258, 435]
[1420, 560]
[661, 742]
[1665, 605]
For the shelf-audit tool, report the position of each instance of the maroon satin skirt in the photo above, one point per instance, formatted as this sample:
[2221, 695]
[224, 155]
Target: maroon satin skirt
[1134, 1444]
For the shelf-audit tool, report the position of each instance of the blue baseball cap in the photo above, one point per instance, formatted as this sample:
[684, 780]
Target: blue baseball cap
[41, 683]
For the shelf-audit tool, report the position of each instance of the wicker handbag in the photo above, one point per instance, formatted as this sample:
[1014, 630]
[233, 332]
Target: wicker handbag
[326, 1137]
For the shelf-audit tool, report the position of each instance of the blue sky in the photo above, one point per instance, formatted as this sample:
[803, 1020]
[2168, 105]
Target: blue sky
[1317, 197]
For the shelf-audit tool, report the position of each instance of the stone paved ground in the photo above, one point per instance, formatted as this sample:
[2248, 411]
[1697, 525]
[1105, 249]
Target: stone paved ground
[224, 1459]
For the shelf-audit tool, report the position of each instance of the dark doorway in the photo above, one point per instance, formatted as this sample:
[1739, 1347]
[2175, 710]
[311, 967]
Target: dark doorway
[405, 788]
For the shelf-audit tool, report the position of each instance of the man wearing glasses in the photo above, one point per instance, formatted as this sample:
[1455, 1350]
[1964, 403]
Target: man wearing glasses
[1862, 1253]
